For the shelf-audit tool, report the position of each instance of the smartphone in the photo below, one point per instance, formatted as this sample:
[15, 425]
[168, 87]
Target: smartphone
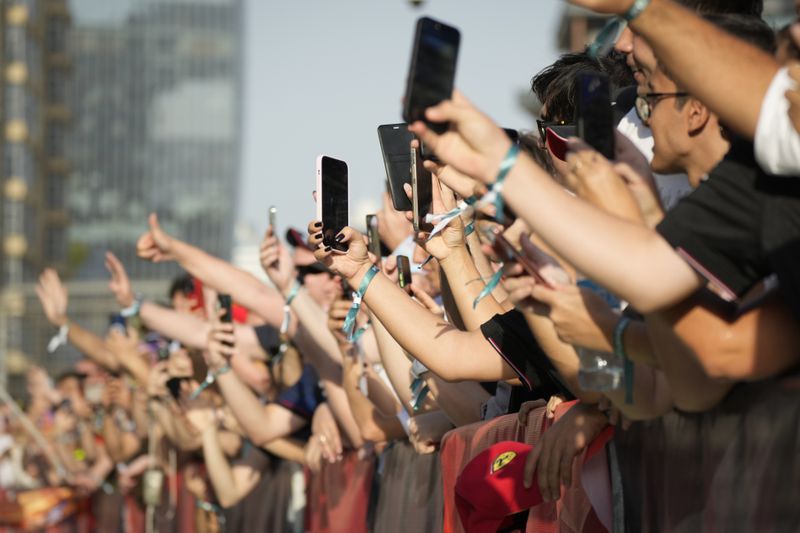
[432, 72]
[332, 199]
[374, 239]
[395, 140]
[595, 115]
[404, 273]
[117, 322]
[273, 214]
[224, 302]
[509, 254]
[174, 386]
[421, 192]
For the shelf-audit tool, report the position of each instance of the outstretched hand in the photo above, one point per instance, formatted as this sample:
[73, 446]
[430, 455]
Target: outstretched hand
[119, 283]
[276, 261]
[54, 297]
[349, 264]
[474, 145]
[155, 245]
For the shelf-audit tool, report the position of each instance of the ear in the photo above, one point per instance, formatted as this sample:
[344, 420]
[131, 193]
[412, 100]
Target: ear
[697, 116]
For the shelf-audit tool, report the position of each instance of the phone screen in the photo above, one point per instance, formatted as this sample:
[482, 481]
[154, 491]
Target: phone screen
[395, 140]
[595, 118]
[433, 69]
[404, 273]
[374, 237]
[333, 200]
[421, 192]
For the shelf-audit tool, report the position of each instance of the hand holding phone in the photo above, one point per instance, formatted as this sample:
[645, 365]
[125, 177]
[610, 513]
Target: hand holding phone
[432, 71]
[508, 254]
[332, 199]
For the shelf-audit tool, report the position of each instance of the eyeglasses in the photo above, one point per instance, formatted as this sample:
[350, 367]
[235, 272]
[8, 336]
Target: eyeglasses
[544, 124]
[646, 102]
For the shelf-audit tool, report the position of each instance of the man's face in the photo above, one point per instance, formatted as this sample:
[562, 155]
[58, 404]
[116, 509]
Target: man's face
[669, 125]
[323, 288]
[69, 387]
[560, 167]
[186, 304]
[642, 61]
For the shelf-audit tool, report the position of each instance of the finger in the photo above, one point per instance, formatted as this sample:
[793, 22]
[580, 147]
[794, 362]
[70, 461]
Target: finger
[566, 470]
[542, 294]
[315, 226]
[409, 191]
[551, 472]
[531, 463]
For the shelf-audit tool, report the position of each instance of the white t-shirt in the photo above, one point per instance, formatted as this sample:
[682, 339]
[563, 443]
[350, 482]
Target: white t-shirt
[671, 187]
[777, 143]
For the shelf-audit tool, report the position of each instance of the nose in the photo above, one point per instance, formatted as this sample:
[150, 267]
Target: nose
[625, 42]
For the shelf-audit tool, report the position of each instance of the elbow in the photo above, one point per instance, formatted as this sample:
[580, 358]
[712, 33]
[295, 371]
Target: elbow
[370, 432]
[228, 499]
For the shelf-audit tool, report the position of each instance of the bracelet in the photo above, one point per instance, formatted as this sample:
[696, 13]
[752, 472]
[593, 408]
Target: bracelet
[497, 188]
[133, 310]
[350, 321]
[619, 351]
[636, 9]
[469, 229]
[211, 377]
[59, 339]
[287, 312]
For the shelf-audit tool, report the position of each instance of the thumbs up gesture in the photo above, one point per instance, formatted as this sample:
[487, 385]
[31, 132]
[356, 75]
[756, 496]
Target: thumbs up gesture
[155, 245]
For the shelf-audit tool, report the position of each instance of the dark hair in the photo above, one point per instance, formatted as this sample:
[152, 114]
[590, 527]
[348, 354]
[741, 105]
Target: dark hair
[555, 85]
[784, 37]
[749, 28]
[721, 7]
[183, 284]
[71, 374]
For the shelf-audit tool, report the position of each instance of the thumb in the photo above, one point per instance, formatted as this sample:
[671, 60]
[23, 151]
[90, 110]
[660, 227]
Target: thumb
[153, 220]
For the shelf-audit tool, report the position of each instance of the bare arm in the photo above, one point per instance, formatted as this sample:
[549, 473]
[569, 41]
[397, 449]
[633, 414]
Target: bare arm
[461, 402]
[231, 483]
[340, 406]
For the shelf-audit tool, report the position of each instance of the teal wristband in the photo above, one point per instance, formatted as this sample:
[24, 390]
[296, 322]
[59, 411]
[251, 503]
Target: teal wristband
[636, 9]
[497, 188]
[619, 351]
[211, 377]
[350, 321]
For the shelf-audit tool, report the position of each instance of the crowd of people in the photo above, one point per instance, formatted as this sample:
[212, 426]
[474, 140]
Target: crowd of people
[641, 376]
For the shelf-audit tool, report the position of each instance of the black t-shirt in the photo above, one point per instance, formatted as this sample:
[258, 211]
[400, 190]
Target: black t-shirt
[739, 227]
[510, 335]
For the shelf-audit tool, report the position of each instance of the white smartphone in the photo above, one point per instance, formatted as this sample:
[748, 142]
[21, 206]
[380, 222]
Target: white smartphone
[333, 199]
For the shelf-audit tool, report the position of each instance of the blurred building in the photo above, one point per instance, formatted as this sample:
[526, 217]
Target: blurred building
[579, 26]
[156, 96]
[35, 67]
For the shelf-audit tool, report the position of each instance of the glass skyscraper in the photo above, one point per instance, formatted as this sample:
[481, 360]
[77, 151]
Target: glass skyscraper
[157, 106]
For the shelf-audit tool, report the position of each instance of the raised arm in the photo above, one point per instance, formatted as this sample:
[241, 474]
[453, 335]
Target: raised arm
[54, 298]
[156, 245]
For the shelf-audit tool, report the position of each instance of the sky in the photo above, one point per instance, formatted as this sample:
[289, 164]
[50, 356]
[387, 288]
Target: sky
[321, 75]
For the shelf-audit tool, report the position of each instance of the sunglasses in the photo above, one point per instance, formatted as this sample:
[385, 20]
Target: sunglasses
[542, 126]
[645, 103]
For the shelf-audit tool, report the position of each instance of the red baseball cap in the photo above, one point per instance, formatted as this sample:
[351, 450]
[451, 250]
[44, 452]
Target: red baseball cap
[490, 489]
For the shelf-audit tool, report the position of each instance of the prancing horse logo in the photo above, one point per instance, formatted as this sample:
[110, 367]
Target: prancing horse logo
[503, 460]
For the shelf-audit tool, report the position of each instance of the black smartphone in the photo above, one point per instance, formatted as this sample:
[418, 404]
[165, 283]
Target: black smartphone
[395, 140]
[332, 199]
[431, 75]
[174, 386]
[404, 273]
[421, 192]
[374, 239]
[595, 115]
[224, 301]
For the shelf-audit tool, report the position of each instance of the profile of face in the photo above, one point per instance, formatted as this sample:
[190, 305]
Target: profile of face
[560, 167]
[669, 123]
[642, 61]
[179, 364]
[183, 304]
[69, 387]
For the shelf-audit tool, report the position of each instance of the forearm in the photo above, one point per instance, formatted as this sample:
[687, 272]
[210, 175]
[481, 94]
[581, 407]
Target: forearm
[189, 330]
[437, 344]
[562, 355]
[626, 258]
[219, 469]
[692, 390]
[310, 333]
[340, 407]
[287, 449]
[92, 346]
[676, 34]
[461, 402]
[395, 361]
[373, 425]
[466, 285]
[222, 276]
[174, 427]
[261, 423]
[483, 265]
